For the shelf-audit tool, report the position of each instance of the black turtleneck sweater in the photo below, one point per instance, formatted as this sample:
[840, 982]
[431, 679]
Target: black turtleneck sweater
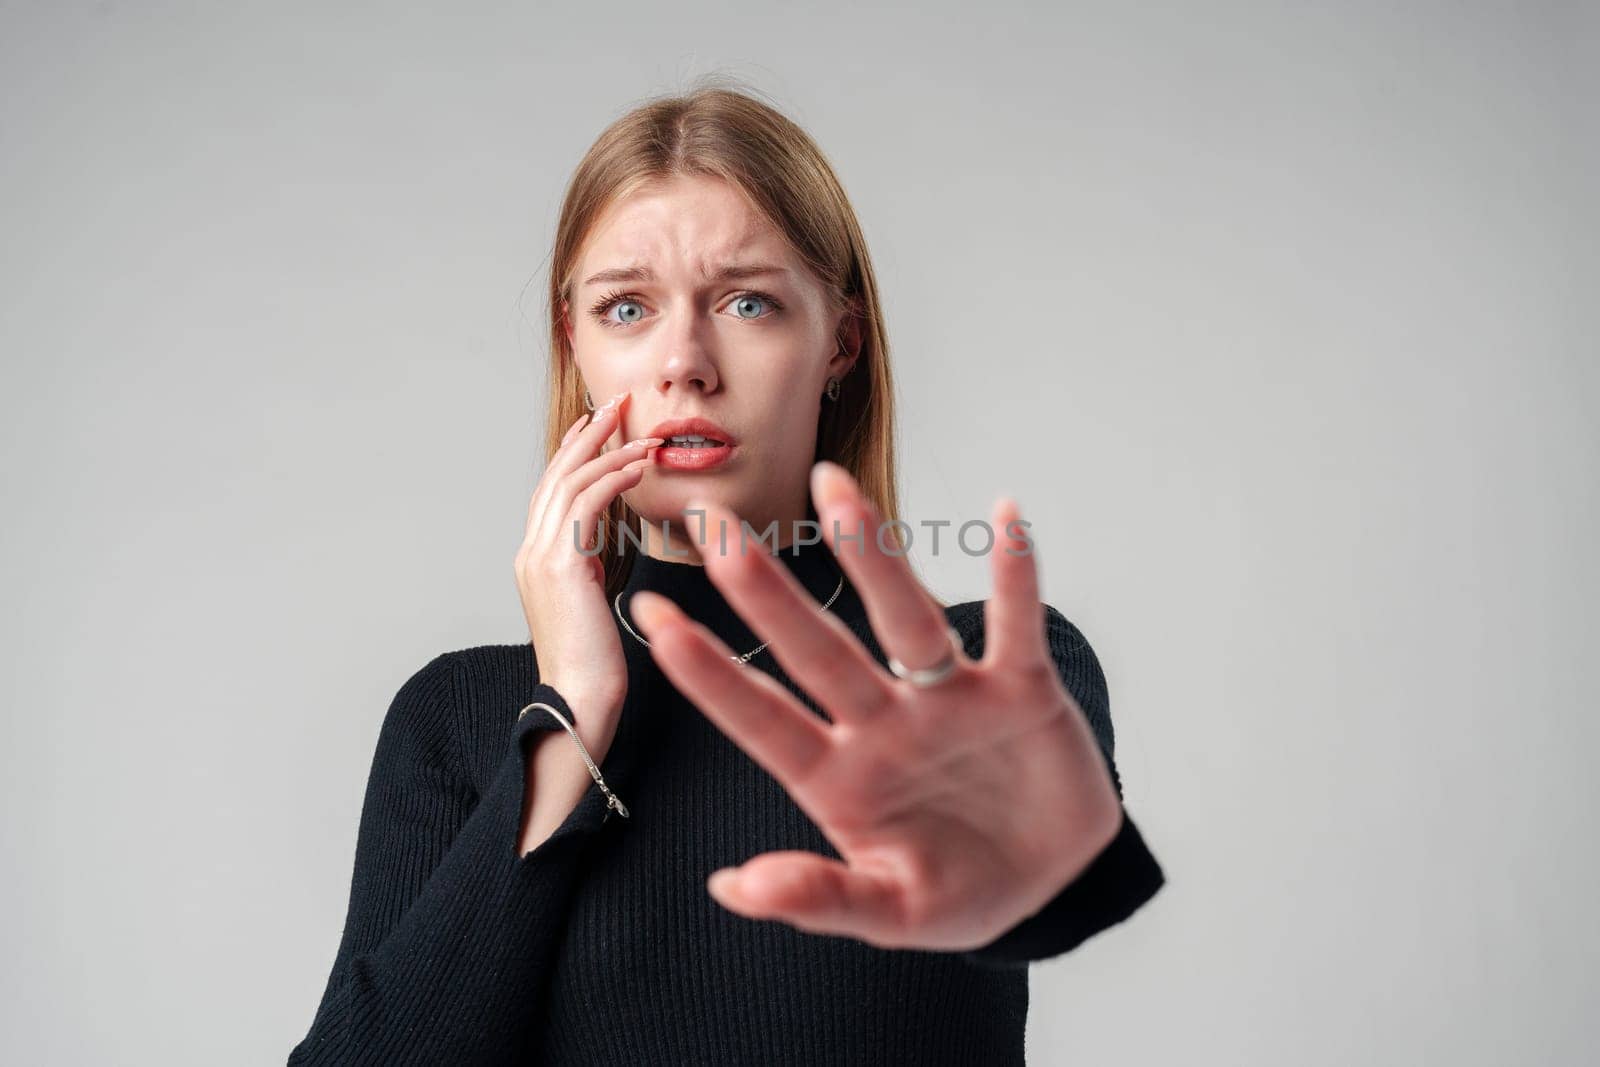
[602, 945]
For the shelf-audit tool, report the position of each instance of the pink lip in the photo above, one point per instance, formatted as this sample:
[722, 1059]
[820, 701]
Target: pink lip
[693, 459]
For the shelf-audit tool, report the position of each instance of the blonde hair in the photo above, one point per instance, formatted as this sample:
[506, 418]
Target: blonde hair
[726, 133]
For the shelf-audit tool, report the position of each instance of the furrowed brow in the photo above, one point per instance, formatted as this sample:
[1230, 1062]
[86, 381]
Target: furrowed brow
[729, 272]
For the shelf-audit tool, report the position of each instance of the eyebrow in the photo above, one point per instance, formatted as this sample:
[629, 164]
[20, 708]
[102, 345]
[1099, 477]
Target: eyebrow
[725, 273]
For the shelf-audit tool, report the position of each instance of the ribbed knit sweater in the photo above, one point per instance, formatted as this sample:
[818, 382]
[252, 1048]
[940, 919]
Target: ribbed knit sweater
[602, 945]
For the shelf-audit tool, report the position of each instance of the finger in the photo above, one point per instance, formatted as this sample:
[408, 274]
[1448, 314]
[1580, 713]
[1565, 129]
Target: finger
[564, 487]
[589, 505]
[813, 646]
[585, 445]
[812, 892]
[536, 497]
[572, 430]
[1013, 618]
[563, 497]
[909, 624]
[750, 706]
[590, 441]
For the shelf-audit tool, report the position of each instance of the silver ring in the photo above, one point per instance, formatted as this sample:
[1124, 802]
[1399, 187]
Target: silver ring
[923, 677]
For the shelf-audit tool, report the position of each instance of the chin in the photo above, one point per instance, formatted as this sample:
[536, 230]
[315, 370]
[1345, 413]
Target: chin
[657, 503]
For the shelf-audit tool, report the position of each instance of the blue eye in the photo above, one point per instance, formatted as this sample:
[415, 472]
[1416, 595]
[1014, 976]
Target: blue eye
[637, 314]
[747, 299]
[602, 308]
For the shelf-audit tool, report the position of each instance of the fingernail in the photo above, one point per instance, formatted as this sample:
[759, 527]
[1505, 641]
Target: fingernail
[649, 609]
[645, 441]
[722, 881]
[826, 483]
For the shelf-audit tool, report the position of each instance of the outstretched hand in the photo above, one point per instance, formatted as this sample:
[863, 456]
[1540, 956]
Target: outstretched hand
[958, 809]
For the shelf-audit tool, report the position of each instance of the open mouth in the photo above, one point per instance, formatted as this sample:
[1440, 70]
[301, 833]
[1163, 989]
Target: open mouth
[693, 443]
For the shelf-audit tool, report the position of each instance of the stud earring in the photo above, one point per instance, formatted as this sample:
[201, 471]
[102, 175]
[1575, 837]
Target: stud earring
[832, 390]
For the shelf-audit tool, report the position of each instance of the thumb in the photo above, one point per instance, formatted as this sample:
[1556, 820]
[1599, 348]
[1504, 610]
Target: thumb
[813, 893]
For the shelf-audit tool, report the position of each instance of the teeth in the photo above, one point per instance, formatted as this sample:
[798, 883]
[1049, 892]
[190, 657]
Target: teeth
[692, 440]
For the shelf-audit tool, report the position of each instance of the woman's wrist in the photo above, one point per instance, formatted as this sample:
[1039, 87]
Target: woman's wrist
[559, 772]
[595, 706]
[557, 780]
[589, 699]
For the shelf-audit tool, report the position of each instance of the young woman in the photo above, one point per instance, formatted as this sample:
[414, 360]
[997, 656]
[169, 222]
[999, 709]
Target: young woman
[746, 795]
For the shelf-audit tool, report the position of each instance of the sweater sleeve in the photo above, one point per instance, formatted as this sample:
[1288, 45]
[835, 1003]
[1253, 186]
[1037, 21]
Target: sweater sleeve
[450, 932]
[1123, 876]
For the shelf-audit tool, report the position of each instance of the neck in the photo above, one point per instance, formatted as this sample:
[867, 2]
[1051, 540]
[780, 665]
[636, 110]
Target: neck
[686, 582]
[680, 540]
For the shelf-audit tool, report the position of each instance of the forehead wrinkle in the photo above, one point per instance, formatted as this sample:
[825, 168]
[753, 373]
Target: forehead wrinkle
[641, 238]
[636, 267]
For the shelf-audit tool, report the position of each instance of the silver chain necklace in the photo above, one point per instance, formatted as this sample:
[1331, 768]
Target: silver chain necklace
[616, 605]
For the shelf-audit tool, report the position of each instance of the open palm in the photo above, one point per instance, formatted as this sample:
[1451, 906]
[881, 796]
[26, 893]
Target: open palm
[959, 808]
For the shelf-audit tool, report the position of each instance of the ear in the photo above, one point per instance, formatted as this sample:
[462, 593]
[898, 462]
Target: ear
[849, 334]
[566, 321]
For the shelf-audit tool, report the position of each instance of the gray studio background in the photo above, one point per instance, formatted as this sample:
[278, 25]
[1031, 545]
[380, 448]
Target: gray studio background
[1278, 320]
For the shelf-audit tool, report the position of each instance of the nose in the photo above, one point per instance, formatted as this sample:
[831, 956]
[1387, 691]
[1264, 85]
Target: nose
[685, 363]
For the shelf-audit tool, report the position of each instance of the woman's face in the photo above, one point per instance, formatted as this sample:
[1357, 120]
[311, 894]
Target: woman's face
[718, 320]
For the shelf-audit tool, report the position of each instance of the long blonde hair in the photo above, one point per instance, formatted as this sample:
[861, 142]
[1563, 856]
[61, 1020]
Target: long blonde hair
[721, 132]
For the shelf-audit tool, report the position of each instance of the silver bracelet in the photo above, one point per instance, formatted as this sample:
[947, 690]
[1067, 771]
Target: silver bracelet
[612, 800]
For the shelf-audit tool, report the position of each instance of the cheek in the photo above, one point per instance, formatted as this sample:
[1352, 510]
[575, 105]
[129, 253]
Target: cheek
[788, 430]
[791, 383]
